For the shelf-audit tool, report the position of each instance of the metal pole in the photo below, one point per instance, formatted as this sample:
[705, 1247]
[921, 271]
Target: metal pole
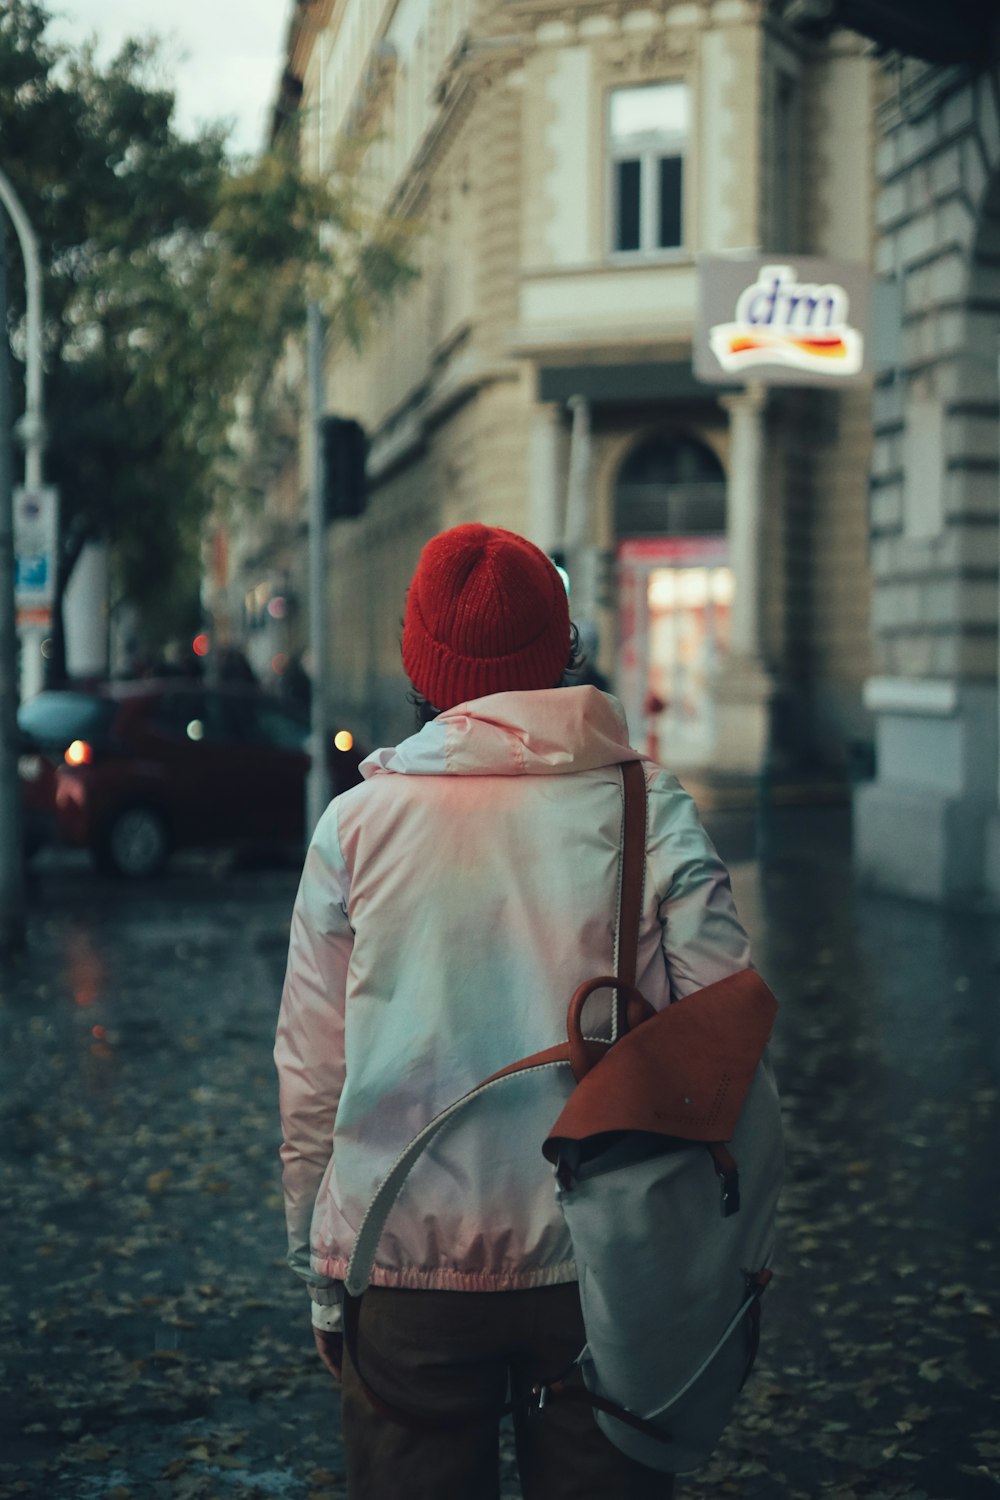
[11, 866]
[31, 428]
[32, 424]
[318, 788]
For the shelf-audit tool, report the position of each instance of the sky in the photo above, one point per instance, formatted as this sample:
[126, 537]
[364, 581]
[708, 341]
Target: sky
[224, 59]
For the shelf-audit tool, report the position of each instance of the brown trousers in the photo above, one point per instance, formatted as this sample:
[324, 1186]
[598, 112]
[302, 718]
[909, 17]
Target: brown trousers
[449, 1353]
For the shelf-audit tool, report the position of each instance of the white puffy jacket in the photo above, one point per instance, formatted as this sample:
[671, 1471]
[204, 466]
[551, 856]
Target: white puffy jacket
[448, 908]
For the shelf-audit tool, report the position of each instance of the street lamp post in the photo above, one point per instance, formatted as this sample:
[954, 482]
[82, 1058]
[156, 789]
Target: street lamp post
[32, 434]
[32, 424]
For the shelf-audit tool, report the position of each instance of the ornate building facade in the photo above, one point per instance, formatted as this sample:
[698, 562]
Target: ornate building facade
[568, 164]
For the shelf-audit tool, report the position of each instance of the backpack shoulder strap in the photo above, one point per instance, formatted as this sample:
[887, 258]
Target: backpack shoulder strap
[631, 882]
[365, 1245]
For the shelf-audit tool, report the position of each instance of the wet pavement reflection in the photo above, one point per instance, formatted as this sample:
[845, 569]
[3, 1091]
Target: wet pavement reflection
[152, 1342]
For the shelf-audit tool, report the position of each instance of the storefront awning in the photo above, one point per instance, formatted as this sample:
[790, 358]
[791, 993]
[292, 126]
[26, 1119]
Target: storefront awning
[655, 381]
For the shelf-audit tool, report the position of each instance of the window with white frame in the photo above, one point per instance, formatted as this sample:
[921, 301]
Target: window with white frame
[647, 134]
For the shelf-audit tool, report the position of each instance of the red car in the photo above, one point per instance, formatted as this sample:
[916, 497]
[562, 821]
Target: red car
[149, 767]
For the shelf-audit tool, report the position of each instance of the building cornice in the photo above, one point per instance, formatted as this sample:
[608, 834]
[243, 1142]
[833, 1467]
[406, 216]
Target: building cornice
[542, 12]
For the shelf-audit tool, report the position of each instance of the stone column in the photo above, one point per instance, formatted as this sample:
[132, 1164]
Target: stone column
[744, 686]
[744, 512]
[580, 556]
[545, 480]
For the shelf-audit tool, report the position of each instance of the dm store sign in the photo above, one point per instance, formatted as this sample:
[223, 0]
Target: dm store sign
[797, 322]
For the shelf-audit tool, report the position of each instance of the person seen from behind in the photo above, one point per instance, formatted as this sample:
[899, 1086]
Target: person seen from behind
[448, 908]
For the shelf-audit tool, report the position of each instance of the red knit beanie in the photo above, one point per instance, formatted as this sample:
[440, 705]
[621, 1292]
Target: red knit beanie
[486, 613]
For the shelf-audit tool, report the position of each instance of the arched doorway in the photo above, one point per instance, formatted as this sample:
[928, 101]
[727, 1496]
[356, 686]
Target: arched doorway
[675, 588]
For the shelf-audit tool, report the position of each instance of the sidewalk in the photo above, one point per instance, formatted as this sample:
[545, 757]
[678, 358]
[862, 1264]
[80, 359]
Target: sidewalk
[152, 1343]
[881, 1371]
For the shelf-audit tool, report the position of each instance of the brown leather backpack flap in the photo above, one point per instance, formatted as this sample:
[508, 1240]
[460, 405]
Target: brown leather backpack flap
[685, 1072]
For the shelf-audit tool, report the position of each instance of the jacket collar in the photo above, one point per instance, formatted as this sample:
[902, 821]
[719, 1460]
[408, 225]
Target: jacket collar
[545, 733]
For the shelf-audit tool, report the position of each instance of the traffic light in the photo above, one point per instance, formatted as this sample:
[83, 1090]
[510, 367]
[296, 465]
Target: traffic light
[345, 485]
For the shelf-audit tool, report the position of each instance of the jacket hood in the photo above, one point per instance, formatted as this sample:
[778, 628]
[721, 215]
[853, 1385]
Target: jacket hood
[547, 732]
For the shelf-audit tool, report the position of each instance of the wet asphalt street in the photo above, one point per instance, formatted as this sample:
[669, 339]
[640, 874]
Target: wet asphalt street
[152, 1343]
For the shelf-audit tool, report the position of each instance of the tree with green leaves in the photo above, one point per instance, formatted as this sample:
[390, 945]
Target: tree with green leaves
[173, 279]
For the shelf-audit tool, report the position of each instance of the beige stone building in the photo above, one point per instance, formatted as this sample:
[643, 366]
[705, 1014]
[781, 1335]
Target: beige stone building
[568, 165]
[928, 826]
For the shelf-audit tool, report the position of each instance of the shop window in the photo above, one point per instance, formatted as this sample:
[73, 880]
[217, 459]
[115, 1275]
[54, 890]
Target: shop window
[647, 136]
[671, 487]
[675, 591]
[675, 598]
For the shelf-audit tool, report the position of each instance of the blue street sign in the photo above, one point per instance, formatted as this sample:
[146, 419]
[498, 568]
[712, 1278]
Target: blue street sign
[32, 575]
